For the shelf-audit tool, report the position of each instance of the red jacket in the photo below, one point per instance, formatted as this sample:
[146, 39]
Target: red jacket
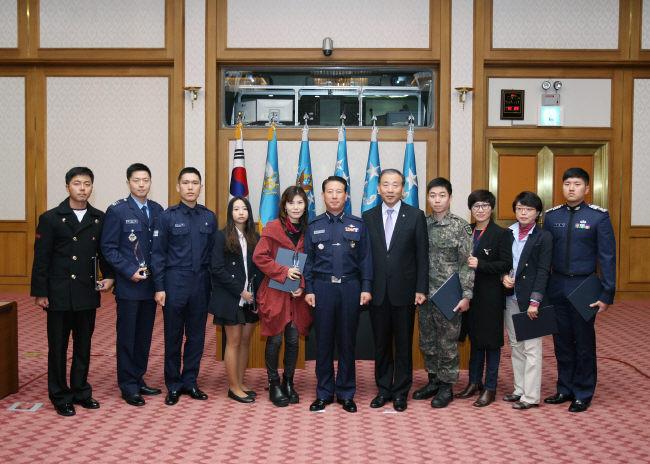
[276, 308]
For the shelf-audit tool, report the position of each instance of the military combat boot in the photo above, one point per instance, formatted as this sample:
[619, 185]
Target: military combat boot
[444, 396]
[428, 390]
[288, 390]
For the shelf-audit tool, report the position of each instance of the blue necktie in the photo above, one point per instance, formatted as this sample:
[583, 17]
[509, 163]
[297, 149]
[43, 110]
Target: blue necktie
[145, 211]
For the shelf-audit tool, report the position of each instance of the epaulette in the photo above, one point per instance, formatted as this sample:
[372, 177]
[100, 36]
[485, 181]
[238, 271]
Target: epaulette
[554, 208]
[320, 216]
[121, 200]
[598, 208]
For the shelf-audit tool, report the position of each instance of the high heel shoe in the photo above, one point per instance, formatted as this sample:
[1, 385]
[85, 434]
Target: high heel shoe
[241, 399]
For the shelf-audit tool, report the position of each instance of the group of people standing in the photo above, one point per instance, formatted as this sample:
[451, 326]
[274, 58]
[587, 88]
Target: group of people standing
[390, 261]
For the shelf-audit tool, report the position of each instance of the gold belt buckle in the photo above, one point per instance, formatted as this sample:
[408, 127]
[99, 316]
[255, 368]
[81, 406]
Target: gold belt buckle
[336, 280]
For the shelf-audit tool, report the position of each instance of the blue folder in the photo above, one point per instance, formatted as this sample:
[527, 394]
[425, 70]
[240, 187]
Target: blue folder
[285, 257]
[527, 328]
[588, 292]
[446, 298]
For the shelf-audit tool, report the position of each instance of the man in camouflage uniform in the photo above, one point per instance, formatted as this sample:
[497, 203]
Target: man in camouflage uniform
[450, 244]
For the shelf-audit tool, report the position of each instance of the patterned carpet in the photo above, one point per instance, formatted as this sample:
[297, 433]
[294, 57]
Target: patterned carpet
[614, 430]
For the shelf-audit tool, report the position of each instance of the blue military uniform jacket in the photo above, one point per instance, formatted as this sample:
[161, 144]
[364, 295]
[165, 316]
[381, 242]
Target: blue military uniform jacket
[338, 246]
[583, 238]
[128, 232]
[183, 240]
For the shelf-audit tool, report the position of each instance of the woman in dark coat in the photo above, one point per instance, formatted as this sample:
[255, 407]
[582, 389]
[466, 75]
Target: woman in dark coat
[282, 313]
[491, 259]
[234, 281]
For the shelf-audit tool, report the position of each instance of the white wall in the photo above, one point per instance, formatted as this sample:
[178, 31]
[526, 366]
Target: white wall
[585, 102]
[12, 148]
[641, 153]
[8, 24]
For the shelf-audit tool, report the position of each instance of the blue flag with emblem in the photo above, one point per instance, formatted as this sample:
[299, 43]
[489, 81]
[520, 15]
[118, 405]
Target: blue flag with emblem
[410, 196]
[270, 200]
[370, 196]
[304, 178]
[342, 167]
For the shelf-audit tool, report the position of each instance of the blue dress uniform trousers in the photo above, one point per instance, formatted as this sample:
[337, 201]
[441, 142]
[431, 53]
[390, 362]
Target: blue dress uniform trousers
[336, 315]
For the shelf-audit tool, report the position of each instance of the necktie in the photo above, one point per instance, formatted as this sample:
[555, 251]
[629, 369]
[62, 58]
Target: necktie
[388, 227]
[145, 211]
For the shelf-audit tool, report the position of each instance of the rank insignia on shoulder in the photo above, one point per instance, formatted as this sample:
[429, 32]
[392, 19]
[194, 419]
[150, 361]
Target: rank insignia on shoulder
[598, 208]
[468, 229]
[554, 208]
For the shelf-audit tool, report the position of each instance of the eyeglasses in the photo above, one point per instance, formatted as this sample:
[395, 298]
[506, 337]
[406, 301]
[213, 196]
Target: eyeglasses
[481, 206]
[524, 209]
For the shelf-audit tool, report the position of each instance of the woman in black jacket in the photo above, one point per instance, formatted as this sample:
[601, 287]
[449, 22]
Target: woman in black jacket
[532, 250]
[234, 281]
[491, 258]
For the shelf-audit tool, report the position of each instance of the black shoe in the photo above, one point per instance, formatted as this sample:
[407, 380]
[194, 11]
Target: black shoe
[172, 397]
[470, 390]
[241, 399]
[558, 398]
[195, 393]
[133, 400]
[444, 396]
[66, 409]
[150, 391]
[579, 406]
[348, 405]
[379, 401]
[288, 390]
[88, 403]
[511, 398]
[399, 404]
[251, 393]
[487, 397]
[523, 405]
[430, 389]
[319, 405]
[276, 395]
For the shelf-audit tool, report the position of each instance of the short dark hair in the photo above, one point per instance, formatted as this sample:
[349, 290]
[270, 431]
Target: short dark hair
[576, 172]
[79, 171]
[288, 195]
[481, 195]
[336, 179]
[439, 182]
[189, 170]
[136, 167]
[392, 171]
[530, 199]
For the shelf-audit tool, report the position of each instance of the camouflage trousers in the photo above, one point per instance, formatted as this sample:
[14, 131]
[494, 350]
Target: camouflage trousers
[439, 343]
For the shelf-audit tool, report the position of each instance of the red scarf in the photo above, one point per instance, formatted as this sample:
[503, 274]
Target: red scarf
[523, 230]
[291, 228]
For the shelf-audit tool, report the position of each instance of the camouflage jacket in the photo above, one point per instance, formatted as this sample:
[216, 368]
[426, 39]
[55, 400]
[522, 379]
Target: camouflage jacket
[450, 244]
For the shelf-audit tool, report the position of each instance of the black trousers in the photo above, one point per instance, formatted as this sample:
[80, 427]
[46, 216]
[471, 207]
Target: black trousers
[392, 328]
[59, 326]
[272, 353]
[135, 319]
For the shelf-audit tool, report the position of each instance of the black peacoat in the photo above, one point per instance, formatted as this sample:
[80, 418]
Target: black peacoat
[484, 320]
[534, 268]
[63, 267]
[228, 278]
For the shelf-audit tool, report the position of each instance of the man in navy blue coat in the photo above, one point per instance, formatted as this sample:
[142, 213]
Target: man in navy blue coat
[126, 245]
[583, 241]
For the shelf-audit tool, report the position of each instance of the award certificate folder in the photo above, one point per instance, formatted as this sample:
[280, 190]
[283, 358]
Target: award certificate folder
[527, 328]
[588, 292]
[289, 258]
[446, 298]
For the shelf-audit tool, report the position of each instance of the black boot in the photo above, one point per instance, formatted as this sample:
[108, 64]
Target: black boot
[444, 396]
[277, 397]
[428, 390]
[288, 390]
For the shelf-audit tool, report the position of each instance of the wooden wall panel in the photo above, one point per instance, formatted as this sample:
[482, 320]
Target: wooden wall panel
[516, 173]
[13, 249]
[639, 264]
[563, 162]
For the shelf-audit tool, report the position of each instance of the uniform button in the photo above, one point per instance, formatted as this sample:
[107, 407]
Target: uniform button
[524, 277]
[232, 276]
[233, 263]
[74, 258]
[74, 238]
[73, 276]
[526, 265]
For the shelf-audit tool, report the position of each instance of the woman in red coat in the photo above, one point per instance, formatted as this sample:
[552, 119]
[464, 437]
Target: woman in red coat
[282, 312]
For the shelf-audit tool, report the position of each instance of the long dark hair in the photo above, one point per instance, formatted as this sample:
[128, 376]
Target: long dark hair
[232, 239]
[288, 195]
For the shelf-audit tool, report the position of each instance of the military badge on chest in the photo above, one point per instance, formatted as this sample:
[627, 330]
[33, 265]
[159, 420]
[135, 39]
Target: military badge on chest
[582, 224]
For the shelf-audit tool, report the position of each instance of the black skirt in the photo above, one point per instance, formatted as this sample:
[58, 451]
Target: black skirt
[245, 315]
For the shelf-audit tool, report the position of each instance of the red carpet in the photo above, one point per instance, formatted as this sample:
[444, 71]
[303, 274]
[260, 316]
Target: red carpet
[614, 430]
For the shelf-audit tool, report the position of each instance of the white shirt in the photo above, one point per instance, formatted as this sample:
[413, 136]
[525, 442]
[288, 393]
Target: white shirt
[384, 214]
[80, 213]
[517, 248]
[244, 253]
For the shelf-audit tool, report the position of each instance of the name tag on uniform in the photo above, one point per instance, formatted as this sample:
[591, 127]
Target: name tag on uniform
[559, 224]
[131, 221]
[155, 233]
[182, 224]
[321, 231]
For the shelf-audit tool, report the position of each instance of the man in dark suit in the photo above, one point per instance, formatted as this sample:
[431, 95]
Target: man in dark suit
[126, 244]
[400, 250]
[64, 282]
